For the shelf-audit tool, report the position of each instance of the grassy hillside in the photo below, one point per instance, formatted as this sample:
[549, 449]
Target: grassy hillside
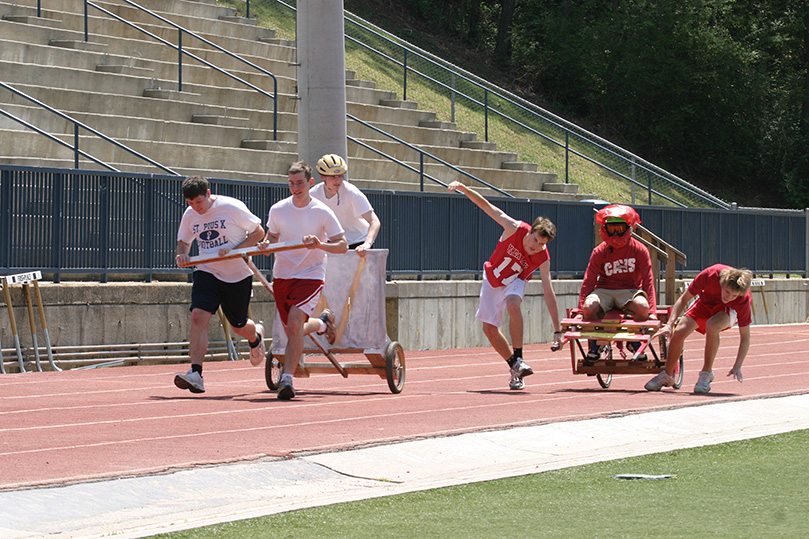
[552, 151]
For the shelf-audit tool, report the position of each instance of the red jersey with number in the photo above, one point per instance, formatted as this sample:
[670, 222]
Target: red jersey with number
[706, 286]
[509, 260]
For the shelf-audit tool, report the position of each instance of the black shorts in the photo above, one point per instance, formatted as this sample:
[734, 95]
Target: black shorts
[208, 293]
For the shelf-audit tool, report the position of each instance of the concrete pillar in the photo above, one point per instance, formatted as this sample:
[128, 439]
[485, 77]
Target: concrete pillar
[321, 79]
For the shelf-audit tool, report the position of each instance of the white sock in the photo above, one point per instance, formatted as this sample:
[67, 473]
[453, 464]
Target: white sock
[286, 377]
[322, 326]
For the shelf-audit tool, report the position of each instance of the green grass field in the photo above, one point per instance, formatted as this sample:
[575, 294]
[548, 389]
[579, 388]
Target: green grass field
[751, 488]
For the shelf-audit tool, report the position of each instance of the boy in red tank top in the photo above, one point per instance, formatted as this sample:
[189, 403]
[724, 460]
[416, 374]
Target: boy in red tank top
[520, 251]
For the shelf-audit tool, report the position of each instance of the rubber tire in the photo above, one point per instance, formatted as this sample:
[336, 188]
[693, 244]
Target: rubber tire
[395, 367]
[604, 380]
[272, 371]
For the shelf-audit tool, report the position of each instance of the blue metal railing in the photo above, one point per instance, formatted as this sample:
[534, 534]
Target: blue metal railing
[67, 222]
[181, 51]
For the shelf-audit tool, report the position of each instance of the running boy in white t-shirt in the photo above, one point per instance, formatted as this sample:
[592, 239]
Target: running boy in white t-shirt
[218, 224]
[299, 275]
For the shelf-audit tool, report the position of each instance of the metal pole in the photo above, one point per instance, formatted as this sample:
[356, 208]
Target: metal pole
[232, 353]
[75, 145]
[13, 323]
[180, 60]
[247, 14]
[41, 308]
[404, 80]
[85, 23]
[421, 171]
[486, 113]
[452, 102]
[567, 156]
[32, 324]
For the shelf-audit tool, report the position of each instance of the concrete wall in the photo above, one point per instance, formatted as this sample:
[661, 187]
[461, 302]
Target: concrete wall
[420, 314]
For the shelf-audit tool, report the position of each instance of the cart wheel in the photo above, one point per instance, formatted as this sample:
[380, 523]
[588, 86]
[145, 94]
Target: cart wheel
[604, 380]
[678, 376]
[395, 366]
[272, 371]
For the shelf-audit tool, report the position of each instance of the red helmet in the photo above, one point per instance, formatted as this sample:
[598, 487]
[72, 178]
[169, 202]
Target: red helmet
[617, 223]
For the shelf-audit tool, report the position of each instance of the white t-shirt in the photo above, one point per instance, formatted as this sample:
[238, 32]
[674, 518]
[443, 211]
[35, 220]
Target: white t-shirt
[224, 226]
[291, 224]
[349, 205]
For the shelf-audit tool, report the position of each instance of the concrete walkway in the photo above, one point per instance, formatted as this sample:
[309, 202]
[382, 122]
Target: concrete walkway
[136, 507]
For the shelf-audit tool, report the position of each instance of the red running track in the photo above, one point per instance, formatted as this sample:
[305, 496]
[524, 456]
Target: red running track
[63, 427]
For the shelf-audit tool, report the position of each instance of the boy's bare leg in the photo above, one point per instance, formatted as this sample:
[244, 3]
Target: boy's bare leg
[498, 340]
[713, 327]
[591, 310]
[298, 326]
[639, 307]
[198, 338]
[295, 332]
[684, 328]
[515, 320]
[248, 331]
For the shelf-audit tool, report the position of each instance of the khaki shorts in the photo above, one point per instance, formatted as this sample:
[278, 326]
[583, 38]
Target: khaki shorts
[614, 299]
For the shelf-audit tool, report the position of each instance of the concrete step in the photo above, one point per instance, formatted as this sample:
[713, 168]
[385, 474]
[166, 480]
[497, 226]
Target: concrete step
[479, 145]
[141, 106]
[520, 165]
[460, 157]
[399, 104]
[34, 20]
[415, 135]
[122, 127]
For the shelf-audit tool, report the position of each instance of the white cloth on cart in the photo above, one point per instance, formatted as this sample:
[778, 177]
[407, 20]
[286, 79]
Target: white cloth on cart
[365, 328]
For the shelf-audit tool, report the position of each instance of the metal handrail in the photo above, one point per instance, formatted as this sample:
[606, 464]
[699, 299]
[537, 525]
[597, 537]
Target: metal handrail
[76, 125]
[422, 155]
[181, 51]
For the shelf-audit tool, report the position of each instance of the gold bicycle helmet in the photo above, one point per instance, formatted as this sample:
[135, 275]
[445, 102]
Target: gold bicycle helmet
[332, 165]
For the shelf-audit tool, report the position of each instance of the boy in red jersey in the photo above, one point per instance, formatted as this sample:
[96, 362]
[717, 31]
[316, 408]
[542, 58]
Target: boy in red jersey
[619, 274]
[723, 299]
[520, 251]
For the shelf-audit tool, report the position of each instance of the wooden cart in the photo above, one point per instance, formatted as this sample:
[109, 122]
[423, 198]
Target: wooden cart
[355, 292]
[612, 333]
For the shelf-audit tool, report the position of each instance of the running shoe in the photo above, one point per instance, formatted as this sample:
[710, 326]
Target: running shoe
[704, 382]
[285, 390]
[331, 331]
[519, 368]
[192, 381]
[661, 380]
[257, 354]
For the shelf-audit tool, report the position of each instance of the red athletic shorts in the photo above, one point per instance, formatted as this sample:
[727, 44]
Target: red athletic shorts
[701, 313]
[301, 293]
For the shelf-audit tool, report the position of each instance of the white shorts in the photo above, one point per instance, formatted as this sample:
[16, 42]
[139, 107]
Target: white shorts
[493, 300]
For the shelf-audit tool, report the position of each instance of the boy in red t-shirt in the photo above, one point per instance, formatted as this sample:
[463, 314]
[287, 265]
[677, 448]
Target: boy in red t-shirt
[520, 251]
[619, 274]
[723, 299]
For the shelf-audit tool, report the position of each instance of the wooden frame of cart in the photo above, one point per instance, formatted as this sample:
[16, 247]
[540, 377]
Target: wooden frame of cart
[613, 332]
